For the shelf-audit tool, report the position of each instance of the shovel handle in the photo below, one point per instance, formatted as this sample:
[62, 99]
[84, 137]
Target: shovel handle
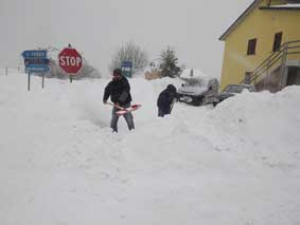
[114, 105]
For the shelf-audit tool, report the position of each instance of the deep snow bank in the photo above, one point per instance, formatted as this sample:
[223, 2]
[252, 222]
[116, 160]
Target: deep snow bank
[237, 163]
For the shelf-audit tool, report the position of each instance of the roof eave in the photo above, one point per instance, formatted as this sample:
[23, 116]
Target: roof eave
[238, 20]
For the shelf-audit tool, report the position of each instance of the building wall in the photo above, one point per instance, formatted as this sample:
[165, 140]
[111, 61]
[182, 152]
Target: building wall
[260, 24]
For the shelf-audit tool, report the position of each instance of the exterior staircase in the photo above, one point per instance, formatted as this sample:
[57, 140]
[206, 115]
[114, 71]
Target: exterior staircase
[272, 73]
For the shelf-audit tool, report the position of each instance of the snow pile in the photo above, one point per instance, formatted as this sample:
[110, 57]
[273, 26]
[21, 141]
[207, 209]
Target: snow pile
[234, 164]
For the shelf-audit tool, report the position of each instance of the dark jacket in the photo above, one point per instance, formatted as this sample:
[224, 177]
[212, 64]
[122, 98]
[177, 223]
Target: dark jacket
[119, 91]
[166, 99]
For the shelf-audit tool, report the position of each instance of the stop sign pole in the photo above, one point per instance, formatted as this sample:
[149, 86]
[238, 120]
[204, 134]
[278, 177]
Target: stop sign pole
[70, 61]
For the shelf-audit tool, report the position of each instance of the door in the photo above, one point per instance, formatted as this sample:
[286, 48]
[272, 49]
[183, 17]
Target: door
[293, 77]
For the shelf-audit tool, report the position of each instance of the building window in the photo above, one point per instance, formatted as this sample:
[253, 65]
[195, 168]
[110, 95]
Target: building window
[277, 41]
[251, 46]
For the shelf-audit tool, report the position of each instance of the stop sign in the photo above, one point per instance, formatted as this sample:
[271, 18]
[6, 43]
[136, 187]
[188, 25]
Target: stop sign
[70, 60]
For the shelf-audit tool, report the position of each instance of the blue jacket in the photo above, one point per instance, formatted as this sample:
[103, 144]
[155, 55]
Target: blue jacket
[166, 98]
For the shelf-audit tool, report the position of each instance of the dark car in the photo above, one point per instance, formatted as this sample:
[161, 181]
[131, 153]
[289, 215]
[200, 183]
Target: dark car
[196, 91]
[231, 90]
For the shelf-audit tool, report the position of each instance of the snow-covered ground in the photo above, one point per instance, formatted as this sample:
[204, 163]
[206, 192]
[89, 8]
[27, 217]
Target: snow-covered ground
[236, 164]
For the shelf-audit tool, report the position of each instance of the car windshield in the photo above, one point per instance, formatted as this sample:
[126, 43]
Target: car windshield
[195, 82]
[236, 88]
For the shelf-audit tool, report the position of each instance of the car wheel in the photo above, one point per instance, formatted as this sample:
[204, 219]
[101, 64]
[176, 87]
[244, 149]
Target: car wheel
[197, 101]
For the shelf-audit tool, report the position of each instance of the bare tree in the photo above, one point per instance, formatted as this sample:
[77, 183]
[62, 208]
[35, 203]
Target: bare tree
[130, 52]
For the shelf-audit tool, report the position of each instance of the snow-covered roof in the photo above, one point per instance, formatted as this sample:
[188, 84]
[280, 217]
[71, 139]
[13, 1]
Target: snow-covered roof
[193, 73]
[252, 6]
[288, 6]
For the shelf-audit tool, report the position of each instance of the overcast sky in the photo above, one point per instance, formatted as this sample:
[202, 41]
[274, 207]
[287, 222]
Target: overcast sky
[98, 27]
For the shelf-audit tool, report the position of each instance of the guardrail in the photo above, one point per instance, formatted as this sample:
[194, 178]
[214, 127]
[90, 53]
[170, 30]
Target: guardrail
[5, 71]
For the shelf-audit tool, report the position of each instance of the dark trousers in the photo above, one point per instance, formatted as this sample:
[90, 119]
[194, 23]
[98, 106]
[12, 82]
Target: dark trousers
[115, 118]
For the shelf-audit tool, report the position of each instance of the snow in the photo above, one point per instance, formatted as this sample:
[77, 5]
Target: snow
[186, 73]
[60, 164]
[289, 5]
[193, 90]
[196, 82]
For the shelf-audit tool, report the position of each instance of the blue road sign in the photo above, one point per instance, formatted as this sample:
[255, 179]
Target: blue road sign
[127, 64]
[36, 61]
[35, 54]
[126, 68]
[37, 68]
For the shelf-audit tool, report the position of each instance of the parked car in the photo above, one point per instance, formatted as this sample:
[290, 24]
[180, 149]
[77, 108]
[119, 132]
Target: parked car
[197, 91]
[231, 90]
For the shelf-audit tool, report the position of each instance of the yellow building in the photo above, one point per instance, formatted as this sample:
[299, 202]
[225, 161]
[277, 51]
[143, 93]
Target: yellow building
[262, 46]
